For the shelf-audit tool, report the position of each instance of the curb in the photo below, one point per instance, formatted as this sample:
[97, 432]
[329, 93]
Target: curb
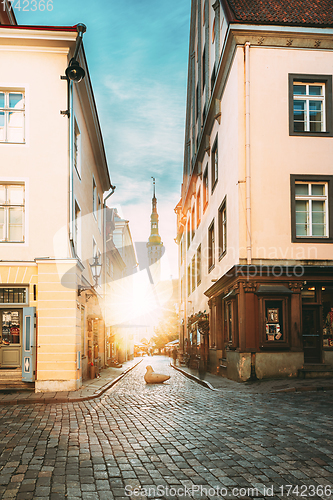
[310, 388]
[46, 401]
[204, 383]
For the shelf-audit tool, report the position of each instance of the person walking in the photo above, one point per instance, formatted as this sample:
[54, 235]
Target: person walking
[174, 355]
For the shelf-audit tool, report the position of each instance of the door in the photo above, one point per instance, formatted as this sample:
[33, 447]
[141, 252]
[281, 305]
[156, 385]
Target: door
[29, 344]
[311, 335]
[10, 338]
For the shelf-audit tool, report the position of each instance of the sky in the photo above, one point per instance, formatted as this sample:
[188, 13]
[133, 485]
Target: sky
[137, 52]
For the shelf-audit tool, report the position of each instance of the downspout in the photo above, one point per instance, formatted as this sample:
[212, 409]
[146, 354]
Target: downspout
[104, 257]
[71, 168]
[247, 155]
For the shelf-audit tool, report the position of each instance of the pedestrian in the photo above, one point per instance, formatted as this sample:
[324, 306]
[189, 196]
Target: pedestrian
[174, 355]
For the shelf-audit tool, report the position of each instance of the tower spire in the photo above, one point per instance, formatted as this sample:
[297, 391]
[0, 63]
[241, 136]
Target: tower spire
[155, 246]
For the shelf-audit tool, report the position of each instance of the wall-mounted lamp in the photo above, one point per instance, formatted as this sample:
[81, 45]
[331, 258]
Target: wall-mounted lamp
[96, 268]
[74, 72]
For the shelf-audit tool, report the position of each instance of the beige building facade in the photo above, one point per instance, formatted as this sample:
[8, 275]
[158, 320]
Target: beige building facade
[53, 176]
[255, 220]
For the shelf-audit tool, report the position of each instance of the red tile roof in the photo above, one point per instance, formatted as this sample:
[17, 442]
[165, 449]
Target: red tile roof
[286, 12]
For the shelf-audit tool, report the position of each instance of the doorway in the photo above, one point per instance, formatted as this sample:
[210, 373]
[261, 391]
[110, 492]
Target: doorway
[311, 335]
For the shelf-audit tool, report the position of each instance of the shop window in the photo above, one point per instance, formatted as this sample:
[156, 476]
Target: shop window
[274, 312]
[327, 320]
[10, 327]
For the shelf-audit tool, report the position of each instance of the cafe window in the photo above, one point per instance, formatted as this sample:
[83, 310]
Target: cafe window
[275, 324]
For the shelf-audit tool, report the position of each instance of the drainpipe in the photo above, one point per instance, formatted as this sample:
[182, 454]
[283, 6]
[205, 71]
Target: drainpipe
[247, 155]
[71, 168]
[104, 258]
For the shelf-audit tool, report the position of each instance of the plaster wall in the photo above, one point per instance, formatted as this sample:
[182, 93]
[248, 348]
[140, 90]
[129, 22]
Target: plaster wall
[275, 155]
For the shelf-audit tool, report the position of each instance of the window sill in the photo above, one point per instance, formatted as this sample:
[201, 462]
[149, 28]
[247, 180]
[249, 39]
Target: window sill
[311, 239]
[311, 134]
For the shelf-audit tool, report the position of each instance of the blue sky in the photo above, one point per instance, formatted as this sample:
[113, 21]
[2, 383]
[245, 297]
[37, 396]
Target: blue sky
[137, 53]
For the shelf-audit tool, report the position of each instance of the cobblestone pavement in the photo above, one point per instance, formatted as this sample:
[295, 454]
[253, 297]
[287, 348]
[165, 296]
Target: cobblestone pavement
[171, 440]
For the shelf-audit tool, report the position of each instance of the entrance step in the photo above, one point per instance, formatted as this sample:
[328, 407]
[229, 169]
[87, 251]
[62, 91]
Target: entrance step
[10, 374]
[315, 370]
[16, 385]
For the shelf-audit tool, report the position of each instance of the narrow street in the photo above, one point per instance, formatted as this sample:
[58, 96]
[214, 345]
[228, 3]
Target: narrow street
[176, 440]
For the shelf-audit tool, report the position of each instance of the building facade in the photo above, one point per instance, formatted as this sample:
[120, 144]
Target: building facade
[53, 176]
[255, 219]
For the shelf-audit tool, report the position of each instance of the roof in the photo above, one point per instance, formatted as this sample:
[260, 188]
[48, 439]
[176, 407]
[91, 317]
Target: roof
[40, 28]
[286, 12]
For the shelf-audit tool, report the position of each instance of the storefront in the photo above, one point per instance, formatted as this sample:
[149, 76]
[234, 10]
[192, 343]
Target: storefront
[268, 326]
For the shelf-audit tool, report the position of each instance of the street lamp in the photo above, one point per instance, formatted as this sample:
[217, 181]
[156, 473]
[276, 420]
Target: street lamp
[96, 268]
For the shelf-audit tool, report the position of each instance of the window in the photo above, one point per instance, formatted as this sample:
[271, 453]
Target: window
[203, 69]
[228, 317]
[222, 229]
[193, 222]
[199, 265]
[188, 280]
[12, 116]
[188, 233]
[205, 188]
[99, 214]
[310, 105]
[312, 211]
[211, 247]
[193, 273]
[13, 295]
[197, 102]
[77, 230]
[77, 148]
[214, 164]
[198, 208]
[11, 212]
[94, 199]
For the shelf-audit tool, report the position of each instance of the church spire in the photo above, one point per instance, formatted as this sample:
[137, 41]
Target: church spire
[154, 238]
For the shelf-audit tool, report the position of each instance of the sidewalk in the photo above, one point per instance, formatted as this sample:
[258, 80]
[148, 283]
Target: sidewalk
[219, 383]
[91, 389]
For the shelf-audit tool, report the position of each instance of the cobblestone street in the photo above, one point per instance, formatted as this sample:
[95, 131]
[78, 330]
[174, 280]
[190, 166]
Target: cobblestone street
[176, 440]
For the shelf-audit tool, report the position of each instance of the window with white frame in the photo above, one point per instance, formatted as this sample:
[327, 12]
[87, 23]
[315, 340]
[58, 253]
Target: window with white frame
[310, 105]
[311, 208]
[214, 165]
[94, 193]
[211, 247]
[222, 229]
[77, 148]
[99, 214]
[12, 202]
[12, 116]
[77, 230]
